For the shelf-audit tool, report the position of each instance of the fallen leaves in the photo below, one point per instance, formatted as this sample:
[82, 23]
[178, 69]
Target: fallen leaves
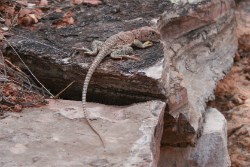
[29, 12]
[22, 2]
[21, 12]
[77, 2]
[17, 91]
[90, 2]
[15, 99]
[29, 17]
[43, 3]
[66, 20]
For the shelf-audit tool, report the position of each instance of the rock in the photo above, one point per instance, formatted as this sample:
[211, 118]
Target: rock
[47, 50]
[199, 39]
[210, 149]
[199, 43]
[57, 135]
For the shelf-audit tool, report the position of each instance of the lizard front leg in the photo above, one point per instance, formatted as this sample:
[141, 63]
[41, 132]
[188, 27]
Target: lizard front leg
[95, 47]
[124, 52]
[142, 45]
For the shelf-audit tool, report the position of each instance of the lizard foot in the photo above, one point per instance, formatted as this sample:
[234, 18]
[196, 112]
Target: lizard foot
[86, 51]
[141, 45]
[92, 119]
[147, 44]
[133, 57]
[90, 53]
[80, 49]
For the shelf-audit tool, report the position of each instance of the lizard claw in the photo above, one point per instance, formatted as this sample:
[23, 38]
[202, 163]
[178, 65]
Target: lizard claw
[89, 53]
[148, 43]
[92, 119]
[133, 57]
[85, 51]
[80, 49]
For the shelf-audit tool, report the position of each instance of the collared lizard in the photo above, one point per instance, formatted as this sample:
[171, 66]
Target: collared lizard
[117, 46]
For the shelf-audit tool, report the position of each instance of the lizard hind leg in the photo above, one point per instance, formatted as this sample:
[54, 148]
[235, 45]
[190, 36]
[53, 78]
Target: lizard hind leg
[142, 45]
[95, 47]
[123, 52]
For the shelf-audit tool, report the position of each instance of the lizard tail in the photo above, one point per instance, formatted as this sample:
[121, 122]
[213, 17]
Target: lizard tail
[90, 72]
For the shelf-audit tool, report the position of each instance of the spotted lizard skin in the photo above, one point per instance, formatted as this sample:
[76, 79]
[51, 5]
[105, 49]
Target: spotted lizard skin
[119, 40]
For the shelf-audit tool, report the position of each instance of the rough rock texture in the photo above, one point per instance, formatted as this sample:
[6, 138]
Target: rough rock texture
[233, 93]
[199, 45]
[47, 50]
[210, 150]
[56, 135]
[199, 40]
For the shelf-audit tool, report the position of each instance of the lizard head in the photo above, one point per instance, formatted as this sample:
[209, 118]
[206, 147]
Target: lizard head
[147, 34]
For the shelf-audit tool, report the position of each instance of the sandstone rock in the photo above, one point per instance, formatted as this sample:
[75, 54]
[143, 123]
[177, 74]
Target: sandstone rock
[56, 135]
[47, 51]
[199, 41]
[199, 44]
[209, 151]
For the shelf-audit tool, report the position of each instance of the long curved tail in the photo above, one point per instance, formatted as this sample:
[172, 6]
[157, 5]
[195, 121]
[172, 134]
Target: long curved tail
[90, 72]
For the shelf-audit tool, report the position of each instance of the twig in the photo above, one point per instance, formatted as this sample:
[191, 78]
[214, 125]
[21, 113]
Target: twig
[2, 19]
[57, 96]
[13, 66]
[4, 66]
[27, 67]
[235, 130]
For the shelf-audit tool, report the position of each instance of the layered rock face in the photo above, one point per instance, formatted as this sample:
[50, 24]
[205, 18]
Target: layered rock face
[199, 41]
[210, 149]
[233, 92]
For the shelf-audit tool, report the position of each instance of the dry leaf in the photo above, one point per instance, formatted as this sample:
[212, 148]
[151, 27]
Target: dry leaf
[22, 2]
[17, 108]
[4, 28]
[68, 14]
[1, 36]
[77, 2]
[28, 20]
[38, 12]
[58, 10]
[92, 2]
[10, 11]
[31, 5]
[33, 16]
[43, 3]
[69, 20]
[24, 12]
[8, 22]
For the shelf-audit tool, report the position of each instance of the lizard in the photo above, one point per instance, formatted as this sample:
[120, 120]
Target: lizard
[117, 46]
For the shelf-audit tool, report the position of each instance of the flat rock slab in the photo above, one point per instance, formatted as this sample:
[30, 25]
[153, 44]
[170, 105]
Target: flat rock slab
[48, 51]
[58, 135]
